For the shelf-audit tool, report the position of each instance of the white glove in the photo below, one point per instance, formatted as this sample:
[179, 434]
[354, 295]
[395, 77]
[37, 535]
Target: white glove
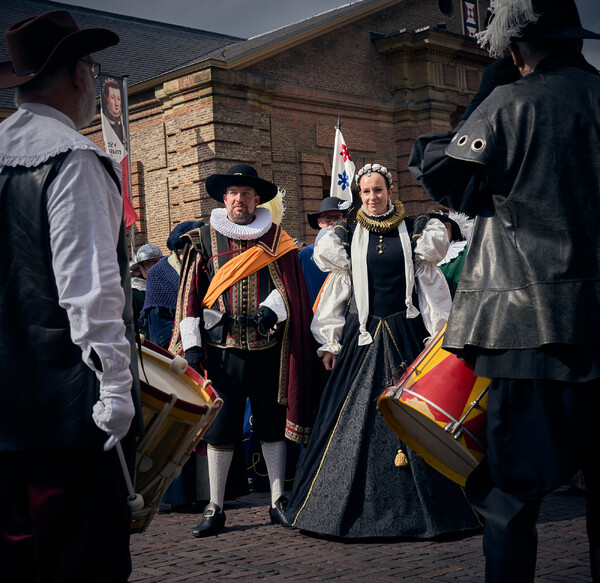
[113, 413]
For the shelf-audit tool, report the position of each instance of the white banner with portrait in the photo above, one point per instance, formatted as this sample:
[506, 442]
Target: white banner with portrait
[115, 129]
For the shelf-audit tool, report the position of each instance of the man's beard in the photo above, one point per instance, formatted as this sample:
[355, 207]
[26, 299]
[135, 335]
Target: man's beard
[87, 104]
[244, 219]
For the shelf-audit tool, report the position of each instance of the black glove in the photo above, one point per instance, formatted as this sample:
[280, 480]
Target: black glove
[500, 72]
[342, 231]
[265, 318]
[419, 224]
[195, 358]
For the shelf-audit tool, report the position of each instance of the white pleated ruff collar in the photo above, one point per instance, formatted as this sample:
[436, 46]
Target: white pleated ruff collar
[255, 230]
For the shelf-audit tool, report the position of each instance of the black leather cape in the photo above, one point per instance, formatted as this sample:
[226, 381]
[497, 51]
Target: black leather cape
[526, 163]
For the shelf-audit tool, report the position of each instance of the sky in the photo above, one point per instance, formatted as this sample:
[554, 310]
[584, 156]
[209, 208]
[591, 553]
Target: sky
[247, 18]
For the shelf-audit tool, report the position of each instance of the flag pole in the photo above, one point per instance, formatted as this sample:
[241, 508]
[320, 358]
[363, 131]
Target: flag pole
[333, 179]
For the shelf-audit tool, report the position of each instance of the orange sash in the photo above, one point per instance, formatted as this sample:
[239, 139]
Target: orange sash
[318, 298]
[246, 264]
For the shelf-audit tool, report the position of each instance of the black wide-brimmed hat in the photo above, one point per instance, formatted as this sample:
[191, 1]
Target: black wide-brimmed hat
[240, 175]
[329, 203]
[47, 42]
[557, 19]
[531, 20]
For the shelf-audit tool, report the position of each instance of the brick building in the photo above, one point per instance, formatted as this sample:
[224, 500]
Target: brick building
[390, 69]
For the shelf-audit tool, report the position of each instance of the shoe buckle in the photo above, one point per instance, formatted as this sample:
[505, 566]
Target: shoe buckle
[209, 512]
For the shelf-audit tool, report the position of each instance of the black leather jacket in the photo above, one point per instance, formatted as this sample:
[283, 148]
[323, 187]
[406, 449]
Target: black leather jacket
[526, 163]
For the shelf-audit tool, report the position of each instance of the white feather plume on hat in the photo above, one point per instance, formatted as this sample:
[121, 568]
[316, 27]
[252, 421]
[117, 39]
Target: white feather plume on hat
[509, 18]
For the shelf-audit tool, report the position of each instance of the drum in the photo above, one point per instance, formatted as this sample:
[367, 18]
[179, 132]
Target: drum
[438, 408]
[178, 406]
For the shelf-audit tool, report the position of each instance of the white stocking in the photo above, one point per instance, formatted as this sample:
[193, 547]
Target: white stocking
[275, 453]
[219, 461]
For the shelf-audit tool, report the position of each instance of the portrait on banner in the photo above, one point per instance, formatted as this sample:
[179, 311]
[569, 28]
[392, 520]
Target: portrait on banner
[114, 118]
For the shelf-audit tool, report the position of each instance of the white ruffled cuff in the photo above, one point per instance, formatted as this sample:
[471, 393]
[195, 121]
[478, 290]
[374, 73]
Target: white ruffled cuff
[275, 302]
[334, 348]
[189, 328]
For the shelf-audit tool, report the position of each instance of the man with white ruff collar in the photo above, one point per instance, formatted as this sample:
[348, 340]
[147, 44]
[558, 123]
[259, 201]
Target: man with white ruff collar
[243, 314]
[524, 162]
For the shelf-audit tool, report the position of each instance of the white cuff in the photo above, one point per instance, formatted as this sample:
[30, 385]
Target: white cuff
[275, 302]
[334, 348]
[120, 382]
[189, 329]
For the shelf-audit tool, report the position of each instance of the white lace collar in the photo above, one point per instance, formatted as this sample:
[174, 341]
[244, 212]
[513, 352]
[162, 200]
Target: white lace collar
[390, 208]
[455, 249]
[37, 132]
[257, 228]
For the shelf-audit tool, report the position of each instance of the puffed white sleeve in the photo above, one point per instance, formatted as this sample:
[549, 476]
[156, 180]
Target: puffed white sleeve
[329, 318]
[435, 300]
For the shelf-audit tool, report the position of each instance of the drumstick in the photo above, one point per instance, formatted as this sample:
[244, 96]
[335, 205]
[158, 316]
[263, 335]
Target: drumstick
[135, 501]
[177, 364]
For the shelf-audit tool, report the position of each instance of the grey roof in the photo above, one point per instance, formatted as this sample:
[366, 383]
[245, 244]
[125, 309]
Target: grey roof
[146, 50]
[149, 49]
[241, 49]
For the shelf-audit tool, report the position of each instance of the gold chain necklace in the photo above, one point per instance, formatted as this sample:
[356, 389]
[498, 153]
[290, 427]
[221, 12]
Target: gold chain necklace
[383, 224]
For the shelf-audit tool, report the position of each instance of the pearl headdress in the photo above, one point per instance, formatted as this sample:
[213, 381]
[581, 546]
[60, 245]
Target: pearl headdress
[368, 168]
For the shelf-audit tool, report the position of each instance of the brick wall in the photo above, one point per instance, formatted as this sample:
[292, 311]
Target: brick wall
[279, 115]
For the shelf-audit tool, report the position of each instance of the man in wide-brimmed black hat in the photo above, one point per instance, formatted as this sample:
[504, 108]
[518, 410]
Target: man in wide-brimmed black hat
[244, 315]
[66, 329]
[329, 212]
[524, 162]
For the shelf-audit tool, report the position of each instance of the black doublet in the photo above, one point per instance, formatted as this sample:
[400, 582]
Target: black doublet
[44, 384]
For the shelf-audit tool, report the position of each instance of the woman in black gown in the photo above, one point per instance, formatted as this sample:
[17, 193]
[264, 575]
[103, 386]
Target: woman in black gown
[347, 482]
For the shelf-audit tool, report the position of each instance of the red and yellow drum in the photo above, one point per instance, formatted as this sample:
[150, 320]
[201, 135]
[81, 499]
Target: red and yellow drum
[178, 406]
[438, 408]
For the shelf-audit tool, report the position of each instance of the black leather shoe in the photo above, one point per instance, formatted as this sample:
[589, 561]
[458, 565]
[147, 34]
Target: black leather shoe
[277, 514]
[213, 521]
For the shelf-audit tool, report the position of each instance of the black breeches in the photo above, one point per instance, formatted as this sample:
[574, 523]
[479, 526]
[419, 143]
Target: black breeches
[540, 433]
[236, 375]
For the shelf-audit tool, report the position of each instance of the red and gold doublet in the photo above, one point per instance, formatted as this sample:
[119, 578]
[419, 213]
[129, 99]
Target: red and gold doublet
[208, 253]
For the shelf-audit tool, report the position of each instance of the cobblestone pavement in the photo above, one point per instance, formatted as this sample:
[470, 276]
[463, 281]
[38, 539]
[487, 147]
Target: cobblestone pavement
[251, 549]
